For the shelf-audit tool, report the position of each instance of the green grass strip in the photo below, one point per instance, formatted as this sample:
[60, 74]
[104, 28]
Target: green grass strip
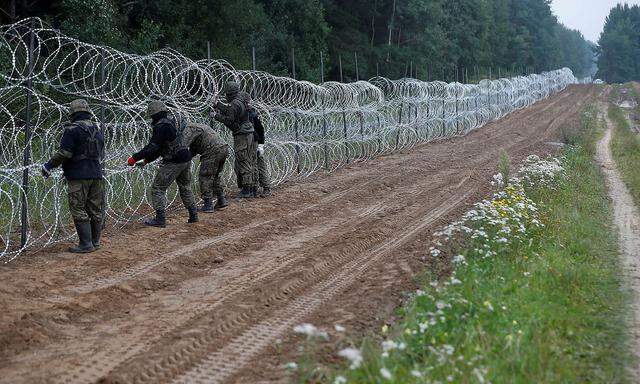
[625, 146]
[552, 309]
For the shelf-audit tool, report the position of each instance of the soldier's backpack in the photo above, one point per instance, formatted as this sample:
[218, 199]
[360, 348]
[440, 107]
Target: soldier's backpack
[170, 149]
[93, 146]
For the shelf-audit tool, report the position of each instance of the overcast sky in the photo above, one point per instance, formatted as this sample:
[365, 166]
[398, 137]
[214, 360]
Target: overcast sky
[587, 16]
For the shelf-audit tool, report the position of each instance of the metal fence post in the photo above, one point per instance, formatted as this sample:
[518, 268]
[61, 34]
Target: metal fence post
[399, 124]
[357, 73]
[211, 85]
[324, 117]
[27, 145]
[253, 58]
[103, 131]
[295, 113]
[344, 127]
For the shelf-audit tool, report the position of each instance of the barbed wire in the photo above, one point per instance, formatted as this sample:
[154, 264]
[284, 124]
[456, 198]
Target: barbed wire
[310, 127]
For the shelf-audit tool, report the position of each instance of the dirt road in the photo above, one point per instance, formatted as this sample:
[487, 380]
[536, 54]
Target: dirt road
[158, 306]
[627, 220]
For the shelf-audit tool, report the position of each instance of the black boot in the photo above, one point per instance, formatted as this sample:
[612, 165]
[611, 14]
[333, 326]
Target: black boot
[246, 193]
[158, 221]
[254, 191]
[207, 206]
[193, 215]
[266, 192]
[221, 203]
[96, 232]
[84, 236]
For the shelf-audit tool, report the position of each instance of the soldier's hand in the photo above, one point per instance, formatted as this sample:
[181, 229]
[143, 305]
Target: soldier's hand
[260, 150]
[45, 171]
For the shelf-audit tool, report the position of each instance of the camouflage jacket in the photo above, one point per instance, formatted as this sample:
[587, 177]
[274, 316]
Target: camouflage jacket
[201, 139]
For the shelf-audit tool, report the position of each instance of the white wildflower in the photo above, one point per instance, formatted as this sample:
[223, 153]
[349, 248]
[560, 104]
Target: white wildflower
[353, 355]
[384, 372]
[459, 259]
[339, 328]
[416, 373]
[310, 330]
[340, 380]
[291, 366]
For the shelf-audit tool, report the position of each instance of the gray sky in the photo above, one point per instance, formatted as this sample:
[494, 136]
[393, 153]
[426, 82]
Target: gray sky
[587, 16]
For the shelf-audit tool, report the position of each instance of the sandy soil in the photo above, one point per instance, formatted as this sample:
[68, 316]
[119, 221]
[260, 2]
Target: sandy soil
[627, 220]
[158, 306]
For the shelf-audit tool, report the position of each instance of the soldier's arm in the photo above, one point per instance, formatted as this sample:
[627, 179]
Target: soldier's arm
[65, 152]
[151, 151]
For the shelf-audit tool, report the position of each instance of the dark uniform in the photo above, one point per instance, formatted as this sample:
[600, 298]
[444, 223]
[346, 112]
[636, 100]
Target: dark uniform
[235, 116]
[80, 154]
[166, 143]
[213, 150]
[262, 171]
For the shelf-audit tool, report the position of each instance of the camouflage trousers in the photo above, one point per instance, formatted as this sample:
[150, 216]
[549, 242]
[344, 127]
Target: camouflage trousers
[211, 166]
[245, 164]
[263, 172]
[168, 173]
[86, 199]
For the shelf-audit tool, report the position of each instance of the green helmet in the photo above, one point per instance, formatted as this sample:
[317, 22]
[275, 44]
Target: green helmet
[79, 105]
[231, 90]
[156, 107]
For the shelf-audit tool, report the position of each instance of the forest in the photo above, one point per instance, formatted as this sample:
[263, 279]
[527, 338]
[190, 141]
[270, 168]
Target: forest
[426, 39]
[619, 45]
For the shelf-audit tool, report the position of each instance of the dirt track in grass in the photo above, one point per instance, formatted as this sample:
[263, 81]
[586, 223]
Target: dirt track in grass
[156, 305]
[627, 220]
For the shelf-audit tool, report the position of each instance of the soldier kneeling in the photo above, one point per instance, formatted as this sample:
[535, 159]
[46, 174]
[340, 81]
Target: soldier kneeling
[80, 154]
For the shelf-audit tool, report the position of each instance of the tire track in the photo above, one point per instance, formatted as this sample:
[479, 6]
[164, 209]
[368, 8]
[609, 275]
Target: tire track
[108, 360]
[228, 360]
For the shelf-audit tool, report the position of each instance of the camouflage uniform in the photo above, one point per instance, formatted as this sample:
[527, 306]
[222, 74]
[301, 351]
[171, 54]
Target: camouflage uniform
[80, 155]
[235, 116]
[166, 143]
[86, 199]
[168, 173]
[213, 150]
[263, 172]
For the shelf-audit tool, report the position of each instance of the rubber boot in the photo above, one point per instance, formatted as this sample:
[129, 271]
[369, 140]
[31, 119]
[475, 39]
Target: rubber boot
[96, 232]
[207, 206]
[158, 221]
[221, 203]
[266, 192]
[245, 193]
[193, 215]
[84, 236]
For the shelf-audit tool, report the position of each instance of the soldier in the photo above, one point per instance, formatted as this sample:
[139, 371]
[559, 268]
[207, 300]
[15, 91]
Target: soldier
[262, 171]
[205, 141]
[235, 116]
[166, 142]
[80, 154]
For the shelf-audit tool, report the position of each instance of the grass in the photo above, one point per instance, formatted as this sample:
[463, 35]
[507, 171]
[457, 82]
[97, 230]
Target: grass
[549, 309]
[625, 146]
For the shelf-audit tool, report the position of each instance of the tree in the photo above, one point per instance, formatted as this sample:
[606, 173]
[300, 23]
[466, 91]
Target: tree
[619, 45]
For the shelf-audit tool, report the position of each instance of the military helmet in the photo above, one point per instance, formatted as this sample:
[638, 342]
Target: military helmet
[231, 87]
[79, 105]
[156, 107]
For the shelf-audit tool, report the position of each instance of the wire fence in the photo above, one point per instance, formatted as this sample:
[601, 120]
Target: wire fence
[310, 127]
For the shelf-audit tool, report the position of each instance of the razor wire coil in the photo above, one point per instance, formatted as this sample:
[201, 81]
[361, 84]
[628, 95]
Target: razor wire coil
[310, 127]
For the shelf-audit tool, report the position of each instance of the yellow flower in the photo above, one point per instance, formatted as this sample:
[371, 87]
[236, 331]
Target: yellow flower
[385, 328]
